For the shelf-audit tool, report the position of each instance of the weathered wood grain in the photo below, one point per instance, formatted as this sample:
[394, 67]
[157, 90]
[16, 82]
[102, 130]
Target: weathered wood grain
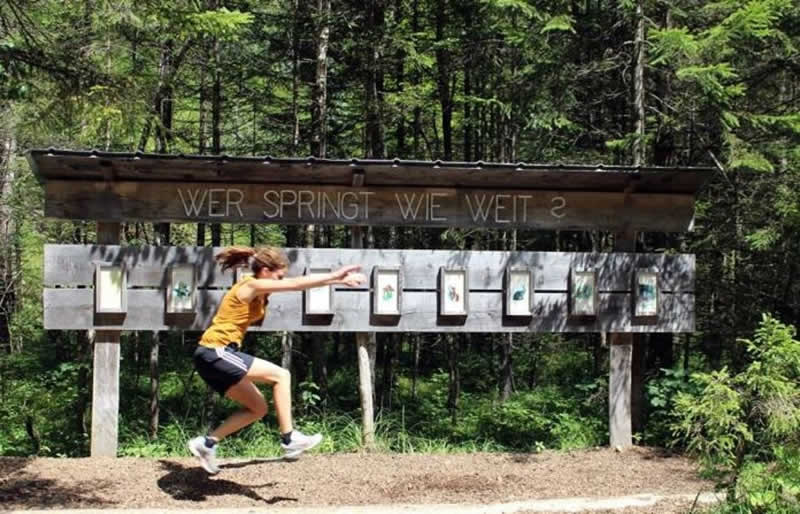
[83, 165]
[371, 205]
[73, 265]
[71, 309]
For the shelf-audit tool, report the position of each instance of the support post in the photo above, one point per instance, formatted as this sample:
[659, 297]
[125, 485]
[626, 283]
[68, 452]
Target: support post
[365, 341]
[105, 382]
[620, 371]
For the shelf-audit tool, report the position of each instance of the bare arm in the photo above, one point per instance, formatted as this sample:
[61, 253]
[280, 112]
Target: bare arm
[257, 287]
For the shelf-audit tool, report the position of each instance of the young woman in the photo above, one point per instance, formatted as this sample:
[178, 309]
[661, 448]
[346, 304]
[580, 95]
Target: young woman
[233, 373]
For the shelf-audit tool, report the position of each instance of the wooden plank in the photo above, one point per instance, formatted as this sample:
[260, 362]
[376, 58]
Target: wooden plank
[346, 205]
[73, 265]
[71, 309]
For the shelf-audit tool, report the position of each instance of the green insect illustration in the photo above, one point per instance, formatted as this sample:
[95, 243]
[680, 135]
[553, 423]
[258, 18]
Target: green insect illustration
[181, 290]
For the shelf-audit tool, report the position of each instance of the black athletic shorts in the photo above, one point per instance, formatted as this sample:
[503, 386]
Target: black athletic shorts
[222, 367]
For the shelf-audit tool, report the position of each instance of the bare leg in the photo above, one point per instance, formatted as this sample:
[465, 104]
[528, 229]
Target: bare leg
[266, 372]
[246, 394]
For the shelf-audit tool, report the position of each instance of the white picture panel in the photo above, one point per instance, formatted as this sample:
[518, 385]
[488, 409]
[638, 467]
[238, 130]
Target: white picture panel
[646, 294]
[583, 293]
[181, 289]
[111, 286]
[453, 292]
[318, 300]
[519, 292]
[386, 290]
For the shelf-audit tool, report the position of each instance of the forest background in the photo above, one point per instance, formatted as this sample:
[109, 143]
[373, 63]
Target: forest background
[651, 82]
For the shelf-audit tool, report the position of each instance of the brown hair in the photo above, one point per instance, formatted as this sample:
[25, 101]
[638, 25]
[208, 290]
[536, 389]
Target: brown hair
[266, 257]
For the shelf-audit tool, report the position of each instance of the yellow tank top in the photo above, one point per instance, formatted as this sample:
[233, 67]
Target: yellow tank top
[233, 317]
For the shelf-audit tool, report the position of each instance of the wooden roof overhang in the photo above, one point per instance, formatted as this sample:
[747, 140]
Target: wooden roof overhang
[110, 185]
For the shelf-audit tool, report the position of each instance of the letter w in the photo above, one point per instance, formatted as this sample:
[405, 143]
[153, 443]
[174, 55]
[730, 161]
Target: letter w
[193, 209]
[409, 205]
[481, 212]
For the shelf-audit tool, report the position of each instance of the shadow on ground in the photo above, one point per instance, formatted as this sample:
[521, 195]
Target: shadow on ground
[194, 484]
[22, 489]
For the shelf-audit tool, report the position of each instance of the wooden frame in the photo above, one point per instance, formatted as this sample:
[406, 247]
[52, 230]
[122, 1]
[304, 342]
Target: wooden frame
[387, 291]
[110, 289]
[646, 292]
[583, 297]
[518, 292]
[181, 290]
[453, 292]
[318, 301]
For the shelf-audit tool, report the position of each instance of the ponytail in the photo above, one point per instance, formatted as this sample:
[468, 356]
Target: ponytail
[233, 256]
[269, 257]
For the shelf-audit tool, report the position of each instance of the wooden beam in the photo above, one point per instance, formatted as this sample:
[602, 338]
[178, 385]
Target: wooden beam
[367, 205]
[105, 381]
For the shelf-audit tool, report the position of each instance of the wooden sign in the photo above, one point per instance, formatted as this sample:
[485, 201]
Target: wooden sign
[340, 205]
[437, 291]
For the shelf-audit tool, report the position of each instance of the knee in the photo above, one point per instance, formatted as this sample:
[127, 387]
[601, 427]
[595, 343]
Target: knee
[284, 376]
[260, 410]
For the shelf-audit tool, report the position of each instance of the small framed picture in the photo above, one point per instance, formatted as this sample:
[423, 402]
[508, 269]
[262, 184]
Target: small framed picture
[181, 291]
[242, 272]
[645, 294]
[387, 291]
[519, 292]
[318, 300]
[453, 292]
[110, 289]
[583, 293]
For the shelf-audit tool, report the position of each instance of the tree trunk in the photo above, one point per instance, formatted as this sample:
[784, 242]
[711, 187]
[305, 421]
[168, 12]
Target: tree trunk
[373, 84]
[216, 122]
[400, 134]
[443, 80]
[154, 379]
[415, 371]
[417, 123]
[454, 378]
[319, 101]
[638, 86]
[8, 246]
[295, 80]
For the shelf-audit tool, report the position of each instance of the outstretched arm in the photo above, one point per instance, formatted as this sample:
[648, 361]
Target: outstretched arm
[346, 275]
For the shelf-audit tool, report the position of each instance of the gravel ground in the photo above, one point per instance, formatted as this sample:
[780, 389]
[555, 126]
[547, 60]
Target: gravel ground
[346, 479]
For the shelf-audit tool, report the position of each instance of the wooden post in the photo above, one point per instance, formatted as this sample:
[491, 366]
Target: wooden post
[619, 369]
[105, 386]
[365, 342]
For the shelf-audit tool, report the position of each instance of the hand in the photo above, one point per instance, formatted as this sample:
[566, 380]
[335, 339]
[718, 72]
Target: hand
[354, 279]
[342, 272]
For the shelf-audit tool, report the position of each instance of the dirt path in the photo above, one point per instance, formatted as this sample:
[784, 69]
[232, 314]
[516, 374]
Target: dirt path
[343, 479]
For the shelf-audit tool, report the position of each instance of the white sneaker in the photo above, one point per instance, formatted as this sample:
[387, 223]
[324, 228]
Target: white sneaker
[207, 456]
[299, 443]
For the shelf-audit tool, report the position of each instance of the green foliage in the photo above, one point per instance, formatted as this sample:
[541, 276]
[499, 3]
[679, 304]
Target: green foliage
[745, 426]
